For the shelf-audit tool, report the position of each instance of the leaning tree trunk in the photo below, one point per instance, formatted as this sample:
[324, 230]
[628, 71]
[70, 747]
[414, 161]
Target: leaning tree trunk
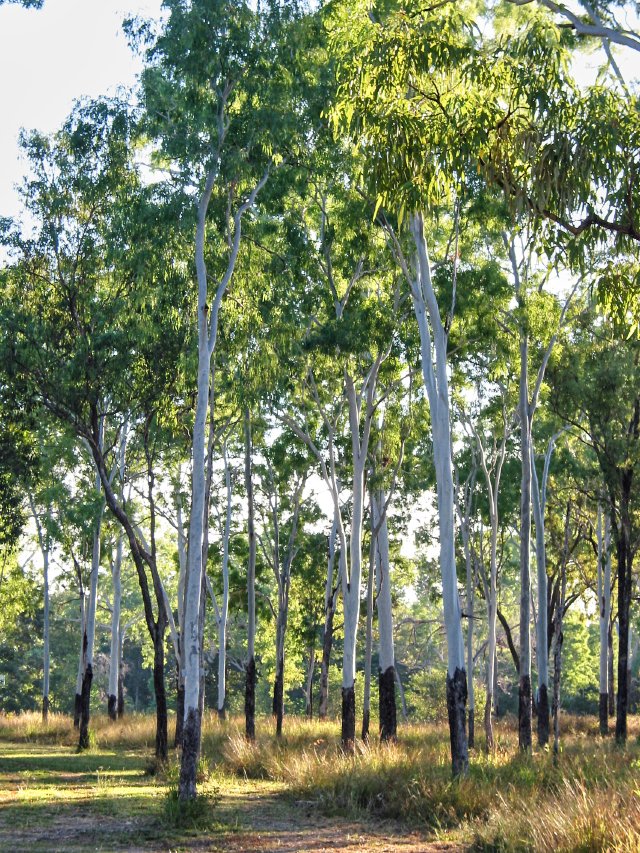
[327, 636]
[437, 386]
[386, 651]
[250, 680]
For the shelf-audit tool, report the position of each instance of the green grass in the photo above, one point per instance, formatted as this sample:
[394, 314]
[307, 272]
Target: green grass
[107, 798]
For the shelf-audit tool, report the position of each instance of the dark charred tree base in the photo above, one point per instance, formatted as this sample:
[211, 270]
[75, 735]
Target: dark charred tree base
[457, 708]
[471, 721]
[112, 707]
[190, 750]
[177, 741]
[77, 711]
[349, 718]
[524, 713]
[250, 701]
[543, 715]
[85, 708]
[278, 701]
[366, 718]
[387, 704]
[120, 696]
[45, 708]
[222, 713]
[162, 738]
[603, 710]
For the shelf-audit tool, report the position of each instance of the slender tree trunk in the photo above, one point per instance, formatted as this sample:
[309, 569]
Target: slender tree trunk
[559, 637]
[541, 625]
[46, 657]
[327, 636]
[224, 610]
[524, 687]
[604, 602]
[77, 705]
[625, 557]
[368, 643]
[611, 670]
[437, 386]
[114, 658]
[470, 618]
[90, 628]
[250, 683]
[160, 695]
[386, 650]
[308, 692]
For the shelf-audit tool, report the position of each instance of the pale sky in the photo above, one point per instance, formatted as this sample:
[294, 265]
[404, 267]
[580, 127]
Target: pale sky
[50, 57]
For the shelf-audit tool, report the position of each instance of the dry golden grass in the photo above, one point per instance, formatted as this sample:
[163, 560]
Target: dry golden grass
[590, 801]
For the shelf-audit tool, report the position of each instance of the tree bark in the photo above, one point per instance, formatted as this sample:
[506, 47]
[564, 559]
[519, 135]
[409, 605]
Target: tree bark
[437, 387]
[386, 650]
[327, 636]
[625, 558]
[250, 683]
[559, 637]
[604, 608]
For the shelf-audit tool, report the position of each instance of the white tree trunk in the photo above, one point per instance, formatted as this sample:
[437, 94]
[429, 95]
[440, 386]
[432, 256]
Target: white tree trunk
[116, 568]
[224, 608]
[386, 651]
[434, 370]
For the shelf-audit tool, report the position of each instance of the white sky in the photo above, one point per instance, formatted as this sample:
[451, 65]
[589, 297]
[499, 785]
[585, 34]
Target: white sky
[50, 57]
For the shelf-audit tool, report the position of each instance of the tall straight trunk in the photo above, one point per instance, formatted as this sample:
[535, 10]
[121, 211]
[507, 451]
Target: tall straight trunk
[625, 558]
[308, 690]
[207, 337]
[327, 636]
[43, 540]
[386, 651]
[222, 616]
[368, 641]
[250, 682]
[436, 382]
[524, 686]
[470, 617]
[559, 636]
[604, 607]
[77, 703]
[351, 581]
[116, 567]
[492, 478]
[90, 625]
[114, 657]
[46, 659]
[611, 670]
[542, 657]
[160, 694]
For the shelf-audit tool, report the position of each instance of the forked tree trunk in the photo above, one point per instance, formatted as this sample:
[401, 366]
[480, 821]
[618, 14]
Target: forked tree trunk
[250, 682]
[436, 382]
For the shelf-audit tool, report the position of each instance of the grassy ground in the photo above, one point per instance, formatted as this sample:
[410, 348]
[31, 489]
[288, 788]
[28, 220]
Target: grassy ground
[302, 794]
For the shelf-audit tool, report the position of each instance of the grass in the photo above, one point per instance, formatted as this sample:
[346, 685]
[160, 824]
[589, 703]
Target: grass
[509, 801]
